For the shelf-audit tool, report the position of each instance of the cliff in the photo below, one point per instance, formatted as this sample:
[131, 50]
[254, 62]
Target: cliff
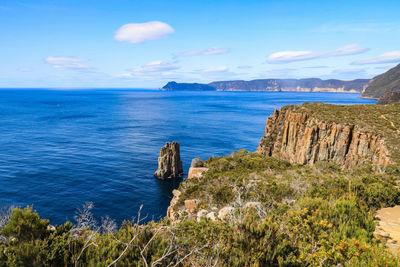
[382, 84]
[389, 97]
[295, 85]
[346, 135]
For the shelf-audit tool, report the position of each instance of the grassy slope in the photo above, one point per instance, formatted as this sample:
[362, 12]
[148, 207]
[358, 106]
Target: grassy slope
[381, 84]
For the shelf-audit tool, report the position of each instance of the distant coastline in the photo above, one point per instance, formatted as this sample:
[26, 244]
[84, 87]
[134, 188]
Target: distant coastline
[274, 85]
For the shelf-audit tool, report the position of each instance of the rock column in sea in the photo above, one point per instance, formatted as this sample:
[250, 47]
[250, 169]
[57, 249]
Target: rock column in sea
[169, 162]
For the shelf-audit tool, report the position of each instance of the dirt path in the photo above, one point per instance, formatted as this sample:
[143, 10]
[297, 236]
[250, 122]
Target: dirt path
[391, 123]
[389, 227]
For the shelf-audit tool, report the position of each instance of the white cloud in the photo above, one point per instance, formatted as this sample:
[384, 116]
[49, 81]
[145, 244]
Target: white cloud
[160, 68]
[389, 57]
[215, 69]
[291, 56]
[124, 75]
[316, 67]
[140, 32]
[207, 52]
[66, 62]
[156, 67]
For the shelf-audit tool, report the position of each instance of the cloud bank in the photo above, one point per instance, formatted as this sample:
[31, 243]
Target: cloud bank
[210, 51]
[215, 69]
[389, 57]
[141, 32]
[151, 69]
[291, 56]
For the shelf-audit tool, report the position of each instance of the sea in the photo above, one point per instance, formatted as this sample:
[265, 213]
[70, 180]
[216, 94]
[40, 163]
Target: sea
[62, 148]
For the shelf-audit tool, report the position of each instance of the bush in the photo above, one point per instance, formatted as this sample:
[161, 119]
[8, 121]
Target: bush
[25, 225]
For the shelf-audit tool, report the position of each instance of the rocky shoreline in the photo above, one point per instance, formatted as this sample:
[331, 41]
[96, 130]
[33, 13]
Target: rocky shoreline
[299, 136]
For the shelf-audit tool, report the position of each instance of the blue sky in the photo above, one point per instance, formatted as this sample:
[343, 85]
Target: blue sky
[144, 44]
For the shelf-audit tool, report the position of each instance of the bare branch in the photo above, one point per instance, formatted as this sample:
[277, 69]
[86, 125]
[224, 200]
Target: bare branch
[84, 217]
[85, 224]
[127, 245]
[108, 225]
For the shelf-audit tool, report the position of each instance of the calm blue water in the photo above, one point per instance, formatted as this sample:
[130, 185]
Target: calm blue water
[59, 149]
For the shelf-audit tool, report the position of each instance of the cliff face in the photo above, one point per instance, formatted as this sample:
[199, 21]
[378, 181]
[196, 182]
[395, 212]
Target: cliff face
[295, 85]
[301, 137]
[278, 85]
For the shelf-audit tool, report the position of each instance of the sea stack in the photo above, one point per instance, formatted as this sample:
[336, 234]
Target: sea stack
[169, 162]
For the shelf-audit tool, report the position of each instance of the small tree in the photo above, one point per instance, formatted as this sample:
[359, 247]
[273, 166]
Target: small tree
[25, 225]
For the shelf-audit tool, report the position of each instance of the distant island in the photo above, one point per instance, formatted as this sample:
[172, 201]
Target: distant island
[275, 85]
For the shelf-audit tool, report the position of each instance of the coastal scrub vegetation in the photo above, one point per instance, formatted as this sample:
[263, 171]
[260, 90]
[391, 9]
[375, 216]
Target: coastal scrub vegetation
[300, 216]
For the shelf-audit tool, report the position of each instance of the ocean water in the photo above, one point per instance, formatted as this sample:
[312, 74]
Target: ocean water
[59, 149]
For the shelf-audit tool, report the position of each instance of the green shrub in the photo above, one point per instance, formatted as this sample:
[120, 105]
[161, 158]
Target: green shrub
[25, 225]
[223, 194]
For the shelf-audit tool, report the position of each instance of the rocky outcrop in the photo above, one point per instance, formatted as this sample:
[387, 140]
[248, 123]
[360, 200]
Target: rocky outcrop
[389, 97]
[170, 211]
[224, 212]
[197, 169]
[296, 135]
[196, 172]
[191, 205]
[169, 162]
[196, 163]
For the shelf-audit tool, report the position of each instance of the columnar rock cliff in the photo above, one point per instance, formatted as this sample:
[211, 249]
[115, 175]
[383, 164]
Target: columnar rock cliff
[169, 162]
[300, 134]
